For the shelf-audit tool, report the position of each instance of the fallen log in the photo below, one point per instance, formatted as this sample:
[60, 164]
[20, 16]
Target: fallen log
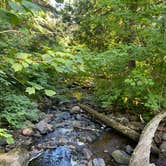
[110, 122]
[141, 154]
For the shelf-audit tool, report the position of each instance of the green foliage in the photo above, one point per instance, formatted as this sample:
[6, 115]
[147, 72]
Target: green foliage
[16, 110]
[5, 135]
[116, 46]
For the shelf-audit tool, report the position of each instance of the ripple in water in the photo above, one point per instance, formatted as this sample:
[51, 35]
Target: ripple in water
[60, 156]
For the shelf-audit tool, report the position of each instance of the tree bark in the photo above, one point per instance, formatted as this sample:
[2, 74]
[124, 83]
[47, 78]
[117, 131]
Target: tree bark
[141, 154]
[110, 122]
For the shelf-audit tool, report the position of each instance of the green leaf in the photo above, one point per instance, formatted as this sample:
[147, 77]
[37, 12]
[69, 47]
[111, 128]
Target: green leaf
[30, 7]
[16, 7]
[23, 55]
[36, 86]
[8, 17]
[49, 92]
[17, 67]
[2, 72]
[30, 90]
[59, 1]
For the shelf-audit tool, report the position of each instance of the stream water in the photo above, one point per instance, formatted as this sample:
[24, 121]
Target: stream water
[102, 147]
[79, 141]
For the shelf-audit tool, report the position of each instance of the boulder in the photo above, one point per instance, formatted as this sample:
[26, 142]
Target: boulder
[44, 127]
[163, 147]
[15, 157]
[164, 137]
[120, 157]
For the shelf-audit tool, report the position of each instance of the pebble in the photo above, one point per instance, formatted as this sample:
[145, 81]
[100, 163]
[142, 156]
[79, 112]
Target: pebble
[129, 149]
[75, 109]
[27, 131]
[97, 162]
[87, 153]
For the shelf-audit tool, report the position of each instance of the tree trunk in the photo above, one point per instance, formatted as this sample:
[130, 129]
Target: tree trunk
[141, 154]
[110, 122]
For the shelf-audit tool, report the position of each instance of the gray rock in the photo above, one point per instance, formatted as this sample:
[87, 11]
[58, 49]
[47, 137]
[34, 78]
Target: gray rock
[97, 162]
[164, 137]
[3, 142]
[65, 116]
[75, 109]
[163, 147]
[15, 157]
[129, 149]
[120, 157]
[78, 117]
[44, 127]
[77, 124]
[87, 153]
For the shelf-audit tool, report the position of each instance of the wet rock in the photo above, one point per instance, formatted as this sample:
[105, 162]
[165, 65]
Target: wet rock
[79, 143]
[163, 147]
[16, 157]
[49, 118]
[65, 116]
[37, 134]
[89, 139]
[64, 130]
[77, 124]
[87, 153]
[75, 109]
[120, 157]
[3, 142]
[44, 127]
[28, 131]
[97, 162]
[164, 137]
[129, 149]
[60, 156]
[78, 117]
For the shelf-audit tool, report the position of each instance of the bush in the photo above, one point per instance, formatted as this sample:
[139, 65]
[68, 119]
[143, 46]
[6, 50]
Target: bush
[16, 110]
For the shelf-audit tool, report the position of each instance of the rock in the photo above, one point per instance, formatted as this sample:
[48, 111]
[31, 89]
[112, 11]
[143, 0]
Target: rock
[44, 127]
[15, 157]
[65, 130]
[77, 124]
[3, 142]
[75, 109]
[87, 153]
[164, 137]
[120, 157]
[89, 139]
[65, 116]
[163, 147]
[97, 162]
[28, 131]
[49, 118]
[78, 117]
[129, 149]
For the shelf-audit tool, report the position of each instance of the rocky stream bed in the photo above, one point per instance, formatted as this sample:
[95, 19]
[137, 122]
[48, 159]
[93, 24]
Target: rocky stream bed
[67, 136]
